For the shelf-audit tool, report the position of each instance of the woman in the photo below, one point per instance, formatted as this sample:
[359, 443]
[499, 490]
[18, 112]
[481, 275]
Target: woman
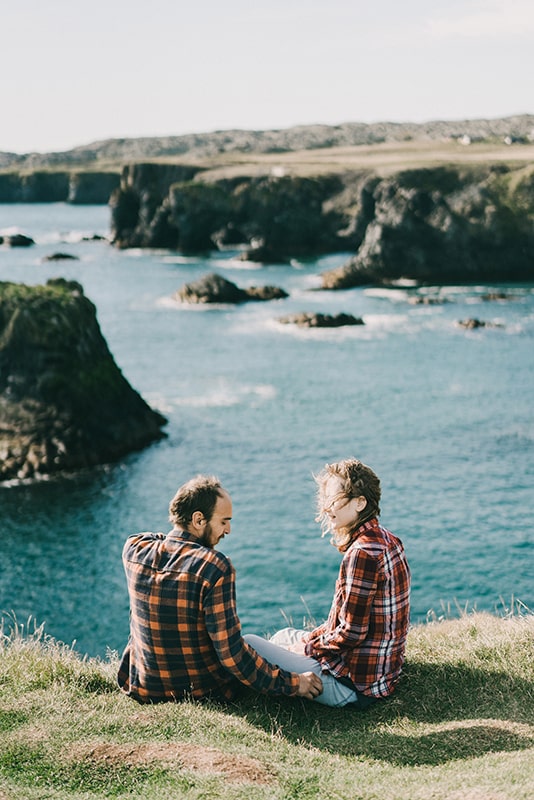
[359, 650]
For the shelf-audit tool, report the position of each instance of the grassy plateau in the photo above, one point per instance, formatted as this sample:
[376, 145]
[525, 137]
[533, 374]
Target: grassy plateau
[460, 726]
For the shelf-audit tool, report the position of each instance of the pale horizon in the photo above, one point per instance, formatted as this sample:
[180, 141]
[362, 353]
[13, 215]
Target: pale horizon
[74, 74]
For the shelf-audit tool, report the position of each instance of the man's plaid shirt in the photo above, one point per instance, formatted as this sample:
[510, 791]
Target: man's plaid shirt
[364, 636]
[185, 635]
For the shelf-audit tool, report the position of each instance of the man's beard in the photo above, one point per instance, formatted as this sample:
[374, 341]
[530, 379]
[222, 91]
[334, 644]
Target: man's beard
[205, 539]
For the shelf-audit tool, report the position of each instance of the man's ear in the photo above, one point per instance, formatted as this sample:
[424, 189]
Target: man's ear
[197, 520]
[361, 502]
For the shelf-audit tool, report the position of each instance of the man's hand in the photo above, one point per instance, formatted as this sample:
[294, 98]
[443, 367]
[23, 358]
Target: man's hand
[310, 685]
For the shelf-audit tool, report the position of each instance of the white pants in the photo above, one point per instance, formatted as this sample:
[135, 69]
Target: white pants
[274, 650]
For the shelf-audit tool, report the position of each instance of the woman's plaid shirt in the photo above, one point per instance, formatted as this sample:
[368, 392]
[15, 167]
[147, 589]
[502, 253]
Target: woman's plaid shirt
[364, 637]
[185, 635]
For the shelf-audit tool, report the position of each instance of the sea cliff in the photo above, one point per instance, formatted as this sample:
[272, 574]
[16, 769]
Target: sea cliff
[64, 403]
[446, 224]
[56, 186]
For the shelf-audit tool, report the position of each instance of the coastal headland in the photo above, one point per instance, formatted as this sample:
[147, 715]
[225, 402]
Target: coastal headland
[438, 202]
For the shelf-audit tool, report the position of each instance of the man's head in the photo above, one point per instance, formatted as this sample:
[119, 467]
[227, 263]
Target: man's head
[348, 495]
[203, 508]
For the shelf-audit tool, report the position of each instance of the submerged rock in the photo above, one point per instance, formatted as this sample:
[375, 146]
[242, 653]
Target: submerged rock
[64, 403]
[315, 320]
[214, 288]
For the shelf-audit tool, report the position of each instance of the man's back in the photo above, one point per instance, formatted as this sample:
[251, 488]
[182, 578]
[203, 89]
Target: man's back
[185, 635]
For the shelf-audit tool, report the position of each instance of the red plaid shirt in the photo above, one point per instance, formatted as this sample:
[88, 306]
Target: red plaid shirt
[185, 635]
[364, 636]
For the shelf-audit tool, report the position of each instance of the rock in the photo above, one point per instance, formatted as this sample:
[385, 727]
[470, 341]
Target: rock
[284, 216]
[265, 293]
[18, 240]
[492, 296]
[473, 323]
[57, 186]
[64, 403]
[40, 186]
[446, 225]
[93, 187]
[315, 320]
[141, 208]
[61, 257]
[427, 300]
[214, 288]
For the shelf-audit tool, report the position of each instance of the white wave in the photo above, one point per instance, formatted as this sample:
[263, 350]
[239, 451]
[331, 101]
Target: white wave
[223, 395]
[180, 305]
[182, 260]
[397, 295]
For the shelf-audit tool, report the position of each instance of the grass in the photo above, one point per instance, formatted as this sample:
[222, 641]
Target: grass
[460, 726]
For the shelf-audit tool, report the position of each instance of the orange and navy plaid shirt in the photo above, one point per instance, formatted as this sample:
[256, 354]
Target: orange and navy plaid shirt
[364, 637]
[185, 635]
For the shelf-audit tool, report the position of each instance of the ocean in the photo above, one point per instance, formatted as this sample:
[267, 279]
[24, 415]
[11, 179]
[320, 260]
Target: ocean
[444, 415]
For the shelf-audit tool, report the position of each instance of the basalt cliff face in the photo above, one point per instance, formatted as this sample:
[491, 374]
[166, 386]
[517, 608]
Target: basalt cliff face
[61, 186]
[446, 224]
[64, 403]
[275, 217]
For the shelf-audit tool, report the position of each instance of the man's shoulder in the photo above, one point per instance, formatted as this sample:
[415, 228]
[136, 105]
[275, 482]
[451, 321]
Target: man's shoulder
[144, 539]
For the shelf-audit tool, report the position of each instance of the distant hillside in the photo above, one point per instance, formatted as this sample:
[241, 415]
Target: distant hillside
[303, 137]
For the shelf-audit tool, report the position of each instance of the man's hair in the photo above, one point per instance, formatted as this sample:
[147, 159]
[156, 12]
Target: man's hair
[357, 480]
[198, 494]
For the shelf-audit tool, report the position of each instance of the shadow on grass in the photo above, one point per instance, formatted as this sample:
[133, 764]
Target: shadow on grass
[431, 694]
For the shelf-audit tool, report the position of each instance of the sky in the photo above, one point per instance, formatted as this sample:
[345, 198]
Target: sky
[74, 72]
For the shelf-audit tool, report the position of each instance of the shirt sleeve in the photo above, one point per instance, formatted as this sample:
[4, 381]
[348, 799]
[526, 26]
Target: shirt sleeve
[235, 655]
[348, 621]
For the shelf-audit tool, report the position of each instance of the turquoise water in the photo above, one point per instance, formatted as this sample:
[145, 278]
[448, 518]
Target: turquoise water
[444, 416]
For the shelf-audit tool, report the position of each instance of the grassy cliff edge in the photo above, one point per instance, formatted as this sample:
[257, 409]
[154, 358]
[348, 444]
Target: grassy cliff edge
[460, 726]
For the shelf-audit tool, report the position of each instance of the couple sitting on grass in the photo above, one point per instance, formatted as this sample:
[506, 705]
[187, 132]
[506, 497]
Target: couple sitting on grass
[185, 635]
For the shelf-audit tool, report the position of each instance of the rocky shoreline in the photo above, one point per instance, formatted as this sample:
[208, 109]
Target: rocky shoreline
[447, 224]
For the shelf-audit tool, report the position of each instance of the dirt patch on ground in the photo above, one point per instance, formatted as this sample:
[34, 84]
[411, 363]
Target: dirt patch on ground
[183, 756]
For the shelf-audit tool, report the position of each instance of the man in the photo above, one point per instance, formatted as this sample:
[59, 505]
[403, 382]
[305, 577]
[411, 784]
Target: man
[185, 635]
[359, 650]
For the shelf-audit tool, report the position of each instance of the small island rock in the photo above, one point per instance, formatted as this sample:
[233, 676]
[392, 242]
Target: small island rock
[213, 288]
[64, 403]
[61, 257]
[315, 320]
[18, 240]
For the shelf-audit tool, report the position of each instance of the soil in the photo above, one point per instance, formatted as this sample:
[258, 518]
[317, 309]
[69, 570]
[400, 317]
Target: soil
[185, 756]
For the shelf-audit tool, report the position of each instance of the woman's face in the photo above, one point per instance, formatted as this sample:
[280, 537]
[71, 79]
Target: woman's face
[342, 511]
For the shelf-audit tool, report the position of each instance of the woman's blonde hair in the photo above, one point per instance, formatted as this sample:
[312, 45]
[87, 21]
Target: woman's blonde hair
[357, 480]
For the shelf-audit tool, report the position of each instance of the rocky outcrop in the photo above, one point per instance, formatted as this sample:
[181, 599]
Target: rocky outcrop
[140, 214]
[214, 288]
[444, 225]
[308, 319]
[450, 224]
[17, 240]
[278, 217]
[473, 323]
[57, 186]
[64, 403]
[60, 257]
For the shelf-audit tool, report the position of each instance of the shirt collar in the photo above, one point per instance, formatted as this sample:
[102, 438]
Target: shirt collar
[178, 533]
